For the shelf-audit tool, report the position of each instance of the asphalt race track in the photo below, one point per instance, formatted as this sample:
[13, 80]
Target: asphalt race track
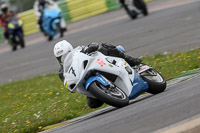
[172, 29]
[149, 114]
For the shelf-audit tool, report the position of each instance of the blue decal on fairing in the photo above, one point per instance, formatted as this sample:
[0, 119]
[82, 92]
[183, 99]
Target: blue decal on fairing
[139, 86]
[98, 78]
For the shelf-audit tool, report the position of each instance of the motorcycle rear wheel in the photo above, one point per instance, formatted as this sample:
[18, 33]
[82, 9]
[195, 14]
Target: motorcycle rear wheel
[60, 30]
[112, 96]
[155, 80]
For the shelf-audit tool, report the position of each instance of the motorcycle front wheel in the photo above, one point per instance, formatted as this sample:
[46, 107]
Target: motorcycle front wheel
[141, 5]
[20, 39]
[113, 96]
[155, 80]
[60, 29]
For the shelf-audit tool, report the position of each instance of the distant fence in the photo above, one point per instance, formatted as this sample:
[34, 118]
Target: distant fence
[1, 34]
[72, 10]
[30, 22]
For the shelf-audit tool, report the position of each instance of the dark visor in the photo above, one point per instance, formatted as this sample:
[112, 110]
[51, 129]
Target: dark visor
[59, 59]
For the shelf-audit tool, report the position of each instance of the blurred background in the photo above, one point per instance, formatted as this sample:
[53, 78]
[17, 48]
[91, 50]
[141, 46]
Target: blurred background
[19, 5]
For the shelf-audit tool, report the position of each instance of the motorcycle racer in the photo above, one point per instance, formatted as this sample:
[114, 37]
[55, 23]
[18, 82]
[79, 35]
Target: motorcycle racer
[132, 13]
[63, 48]
[140, 7]
[39, 6]
[6, 14]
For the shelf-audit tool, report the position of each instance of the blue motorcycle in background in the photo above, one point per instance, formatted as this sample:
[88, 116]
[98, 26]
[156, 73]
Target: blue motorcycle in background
[15, 29]
[52, 22]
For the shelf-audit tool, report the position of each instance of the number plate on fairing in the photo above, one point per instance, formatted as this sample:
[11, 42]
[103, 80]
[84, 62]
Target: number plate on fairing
[143, 68]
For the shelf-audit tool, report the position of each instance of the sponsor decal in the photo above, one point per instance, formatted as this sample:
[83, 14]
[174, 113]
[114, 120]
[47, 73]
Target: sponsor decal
[59, 52]
[101, 62]
[143, 68]
[66, 85]
[110, 65]
[73, 71]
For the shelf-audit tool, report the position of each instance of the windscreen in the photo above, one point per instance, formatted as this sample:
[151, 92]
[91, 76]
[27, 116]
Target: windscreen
[68, 61]
[48, 6]
[13, 19]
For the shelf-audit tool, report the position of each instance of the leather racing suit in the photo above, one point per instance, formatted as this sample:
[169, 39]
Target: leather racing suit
[108, 50]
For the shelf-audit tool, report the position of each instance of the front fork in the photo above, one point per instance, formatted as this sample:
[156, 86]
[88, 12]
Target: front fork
[97, 78]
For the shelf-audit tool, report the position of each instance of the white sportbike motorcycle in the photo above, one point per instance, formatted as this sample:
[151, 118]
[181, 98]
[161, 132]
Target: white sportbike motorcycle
[109, 79]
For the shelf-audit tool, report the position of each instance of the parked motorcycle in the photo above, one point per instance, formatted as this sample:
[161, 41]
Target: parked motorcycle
[135, 7]
[109, 79]
[15, 29]
[52, 22]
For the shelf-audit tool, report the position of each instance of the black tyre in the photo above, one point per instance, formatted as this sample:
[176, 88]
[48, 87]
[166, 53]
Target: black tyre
[60, 30]
[21, 40]
[13, 43]
[157, 83]
[14, 48]
[94, 103]
[133, 14]
[141, 5]
[112, 96]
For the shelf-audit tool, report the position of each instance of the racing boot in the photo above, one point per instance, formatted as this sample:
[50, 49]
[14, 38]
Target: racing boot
[94, 103]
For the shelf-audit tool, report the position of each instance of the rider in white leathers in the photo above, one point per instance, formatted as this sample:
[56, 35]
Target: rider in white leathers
[63, 48]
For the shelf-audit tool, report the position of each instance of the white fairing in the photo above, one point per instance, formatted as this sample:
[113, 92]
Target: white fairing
[74, 71]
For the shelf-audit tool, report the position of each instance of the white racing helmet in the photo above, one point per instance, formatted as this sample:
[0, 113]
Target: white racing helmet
[61, 50]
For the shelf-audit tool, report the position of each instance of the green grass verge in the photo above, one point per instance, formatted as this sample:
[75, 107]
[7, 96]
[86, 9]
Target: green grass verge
[30, 105]
[174, 64]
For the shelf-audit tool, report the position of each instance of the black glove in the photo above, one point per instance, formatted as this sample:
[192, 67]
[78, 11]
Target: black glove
[92, 47]
[61, 73]
[133, 61]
